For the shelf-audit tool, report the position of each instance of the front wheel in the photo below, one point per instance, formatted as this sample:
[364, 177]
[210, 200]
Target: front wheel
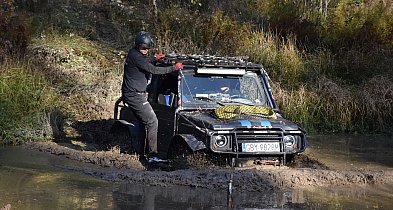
[180, 154]
[182, 157]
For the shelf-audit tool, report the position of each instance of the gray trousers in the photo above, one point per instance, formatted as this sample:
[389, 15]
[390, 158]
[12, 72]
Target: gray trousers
[144, 112]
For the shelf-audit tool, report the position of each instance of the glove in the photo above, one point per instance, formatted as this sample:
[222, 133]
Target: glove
[178, 66]
[160, 56]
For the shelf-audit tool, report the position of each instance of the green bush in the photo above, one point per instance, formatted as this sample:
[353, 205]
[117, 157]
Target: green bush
[216, 34]
[27, 103]
[179, 31]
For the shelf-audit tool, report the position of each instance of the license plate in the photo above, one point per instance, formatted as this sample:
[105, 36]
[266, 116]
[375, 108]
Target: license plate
[261, 147]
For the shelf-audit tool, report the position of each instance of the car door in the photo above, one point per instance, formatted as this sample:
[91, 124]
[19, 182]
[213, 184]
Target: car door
[164, 102]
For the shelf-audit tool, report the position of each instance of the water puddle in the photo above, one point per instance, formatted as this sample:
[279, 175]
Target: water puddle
[352, 152]
[36, 180]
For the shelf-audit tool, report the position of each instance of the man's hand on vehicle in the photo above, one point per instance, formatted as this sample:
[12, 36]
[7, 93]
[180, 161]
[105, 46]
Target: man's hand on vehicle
[160, 56]
[178, 66]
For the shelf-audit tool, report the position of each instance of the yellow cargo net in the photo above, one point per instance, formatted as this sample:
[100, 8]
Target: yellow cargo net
[232, 111]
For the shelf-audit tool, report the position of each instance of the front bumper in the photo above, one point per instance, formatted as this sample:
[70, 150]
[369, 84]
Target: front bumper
[256, 143]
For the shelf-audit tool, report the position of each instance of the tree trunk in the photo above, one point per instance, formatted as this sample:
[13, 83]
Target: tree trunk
[156, 26]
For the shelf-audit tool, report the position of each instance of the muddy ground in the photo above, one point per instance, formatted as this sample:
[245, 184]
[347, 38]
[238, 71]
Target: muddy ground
[305, 172]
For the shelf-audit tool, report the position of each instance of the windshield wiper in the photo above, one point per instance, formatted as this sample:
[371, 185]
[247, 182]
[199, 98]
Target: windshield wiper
[239, 102]
[207, 99]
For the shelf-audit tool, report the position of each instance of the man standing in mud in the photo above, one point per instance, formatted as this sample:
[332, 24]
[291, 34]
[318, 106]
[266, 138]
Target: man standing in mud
[138, 68]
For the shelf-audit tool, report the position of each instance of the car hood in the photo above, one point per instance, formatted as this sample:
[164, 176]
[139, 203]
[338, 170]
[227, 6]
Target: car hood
[206, 119]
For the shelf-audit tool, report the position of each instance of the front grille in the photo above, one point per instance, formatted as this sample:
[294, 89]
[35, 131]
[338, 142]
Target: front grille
[258, 137]
[259, 142]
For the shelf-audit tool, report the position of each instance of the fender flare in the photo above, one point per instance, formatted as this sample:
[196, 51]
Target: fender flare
[193, 143]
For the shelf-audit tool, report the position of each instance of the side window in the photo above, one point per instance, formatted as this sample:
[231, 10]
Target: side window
[167, 89]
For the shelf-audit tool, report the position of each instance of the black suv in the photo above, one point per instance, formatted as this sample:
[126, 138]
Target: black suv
[221, 105]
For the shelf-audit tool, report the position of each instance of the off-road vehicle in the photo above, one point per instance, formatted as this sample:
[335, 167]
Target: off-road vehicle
[223, 106]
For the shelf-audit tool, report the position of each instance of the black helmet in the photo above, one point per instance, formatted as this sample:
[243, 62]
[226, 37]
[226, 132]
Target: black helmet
[143, 40]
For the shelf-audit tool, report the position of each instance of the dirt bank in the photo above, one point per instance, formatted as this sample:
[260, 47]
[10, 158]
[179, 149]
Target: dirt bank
[116, 166]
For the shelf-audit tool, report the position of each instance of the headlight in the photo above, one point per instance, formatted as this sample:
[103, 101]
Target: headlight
[220, 140]
[289, 140]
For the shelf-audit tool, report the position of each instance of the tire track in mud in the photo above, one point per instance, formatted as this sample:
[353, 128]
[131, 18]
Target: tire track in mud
[124, 167]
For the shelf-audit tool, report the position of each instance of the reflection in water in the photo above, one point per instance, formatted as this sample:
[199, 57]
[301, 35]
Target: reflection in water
[130, 196]
[350, 152]
[37, 185]
[34, 180]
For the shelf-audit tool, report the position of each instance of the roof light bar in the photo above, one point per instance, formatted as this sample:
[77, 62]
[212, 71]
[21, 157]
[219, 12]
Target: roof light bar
[221, 71]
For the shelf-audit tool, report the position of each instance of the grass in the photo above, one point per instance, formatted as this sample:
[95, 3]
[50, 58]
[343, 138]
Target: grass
[283, 59]
[90, 72]
[311, 92]
[84, 56]
[85, 62]
[27, 102]
[330, 106]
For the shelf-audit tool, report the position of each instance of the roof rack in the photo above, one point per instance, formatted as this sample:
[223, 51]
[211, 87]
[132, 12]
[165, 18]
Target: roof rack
[207, 61]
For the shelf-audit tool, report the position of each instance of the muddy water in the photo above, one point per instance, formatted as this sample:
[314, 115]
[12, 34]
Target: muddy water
[36, 180]
[352, 152]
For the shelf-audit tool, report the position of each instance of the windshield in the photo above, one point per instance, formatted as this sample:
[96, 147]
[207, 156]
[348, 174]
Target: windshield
[218, 90]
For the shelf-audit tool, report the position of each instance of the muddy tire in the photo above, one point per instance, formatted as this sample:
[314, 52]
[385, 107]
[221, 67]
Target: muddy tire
[183, 157]
[127, 143]
[122, 139]
[303, 161]
[180, 154]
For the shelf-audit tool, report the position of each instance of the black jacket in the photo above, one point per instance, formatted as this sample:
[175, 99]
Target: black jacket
[137, 71]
